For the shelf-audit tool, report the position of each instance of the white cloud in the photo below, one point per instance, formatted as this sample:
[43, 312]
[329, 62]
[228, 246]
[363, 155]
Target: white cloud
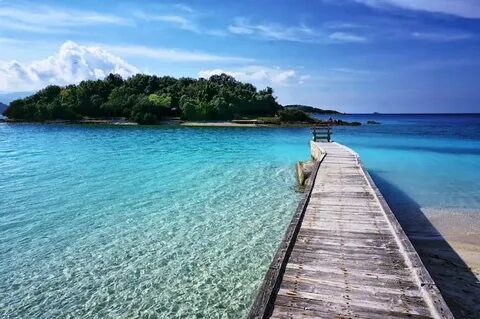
[183, 7]
[71, 64]
[301, 33]
[343, 25]
[441, 36]
[181, 22]
[10, 40]
[461, 8]
[178, 21]
[261, 76]
[347, 37]
[172, 55]
[54, 20]
[304, 78]
[187, 20]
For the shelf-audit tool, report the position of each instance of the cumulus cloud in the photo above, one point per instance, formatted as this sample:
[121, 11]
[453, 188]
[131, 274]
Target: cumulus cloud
[71, 64]
[461, 8]
[260, 75]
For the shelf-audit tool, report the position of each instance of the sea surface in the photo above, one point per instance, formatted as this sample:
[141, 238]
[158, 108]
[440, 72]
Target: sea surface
[147, 222]
[424, 164]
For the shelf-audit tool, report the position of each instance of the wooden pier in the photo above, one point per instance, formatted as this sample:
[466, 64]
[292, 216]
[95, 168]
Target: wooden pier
[322, 133]
[344, 254]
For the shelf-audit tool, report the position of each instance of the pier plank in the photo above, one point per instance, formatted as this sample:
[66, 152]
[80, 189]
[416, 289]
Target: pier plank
[348, 256]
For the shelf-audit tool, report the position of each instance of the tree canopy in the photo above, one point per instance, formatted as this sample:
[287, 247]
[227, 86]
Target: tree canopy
[311, 109]
[146, 99]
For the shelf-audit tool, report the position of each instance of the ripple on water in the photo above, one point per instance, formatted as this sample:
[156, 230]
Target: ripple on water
[141, 222]
[102, 222]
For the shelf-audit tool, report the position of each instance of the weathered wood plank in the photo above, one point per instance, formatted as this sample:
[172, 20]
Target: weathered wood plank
[346, 255]
[367, 279]
[289, 307]
[373, 272]
[400, 303]
[263, 304]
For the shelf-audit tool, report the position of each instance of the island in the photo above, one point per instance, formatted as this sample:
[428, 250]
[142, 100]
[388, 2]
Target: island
[150, 99]
[312, 109]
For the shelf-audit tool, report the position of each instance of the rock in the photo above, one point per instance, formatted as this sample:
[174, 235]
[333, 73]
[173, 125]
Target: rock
[304, 170]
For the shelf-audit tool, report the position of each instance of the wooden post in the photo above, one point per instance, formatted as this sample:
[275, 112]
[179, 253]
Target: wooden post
[322, 133]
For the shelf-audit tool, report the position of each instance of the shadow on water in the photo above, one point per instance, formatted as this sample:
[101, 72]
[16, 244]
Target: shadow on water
[457, 283]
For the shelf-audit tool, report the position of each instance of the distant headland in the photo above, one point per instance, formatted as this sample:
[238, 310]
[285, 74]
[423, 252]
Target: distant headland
[149, 99]
[312, 109]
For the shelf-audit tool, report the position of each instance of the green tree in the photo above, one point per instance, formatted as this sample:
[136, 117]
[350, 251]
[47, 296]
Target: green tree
[146, 99]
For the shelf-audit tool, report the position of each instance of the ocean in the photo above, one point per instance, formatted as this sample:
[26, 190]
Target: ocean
[421, 162]
[124, 222]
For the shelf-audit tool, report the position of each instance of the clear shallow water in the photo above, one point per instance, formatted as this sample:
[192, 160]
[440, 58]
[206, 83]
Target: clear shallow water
[101, 222]
[116, 222]
[423, 165]
[434, 159]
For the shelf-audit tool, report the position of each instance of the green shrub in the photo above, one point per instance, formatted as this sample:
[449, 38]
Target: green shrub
[293, 115]
[269, 120]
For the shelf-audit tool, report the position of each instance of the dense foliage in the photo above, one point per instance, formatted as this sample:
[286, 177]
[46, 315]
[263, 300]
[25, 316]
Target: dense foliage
[291, 115]
[311, 109]
[146, 99]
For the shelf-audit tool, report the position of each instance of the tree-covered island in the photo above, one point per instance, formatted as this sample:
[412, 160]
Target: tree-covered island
[311, 109]
[147, 99]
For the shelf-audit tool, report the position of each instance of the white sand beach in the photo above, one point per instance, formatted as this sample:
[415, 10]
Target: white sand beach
[454, 260]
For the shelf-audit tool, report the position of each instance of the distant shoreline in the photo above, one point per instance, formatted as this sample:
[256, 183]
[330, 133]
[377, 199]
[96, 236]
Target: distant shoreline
[182, 123]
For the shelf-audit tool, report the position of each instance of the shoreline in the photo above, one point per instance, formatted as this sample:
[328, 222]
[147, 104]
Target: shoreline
[177, 124]
[461, 229]
[451, 254]
[218, 124]
[231, 124]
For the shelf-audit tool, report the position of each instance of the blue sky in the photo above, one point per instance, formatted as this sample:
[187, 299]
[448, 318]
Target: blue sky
[351, 55]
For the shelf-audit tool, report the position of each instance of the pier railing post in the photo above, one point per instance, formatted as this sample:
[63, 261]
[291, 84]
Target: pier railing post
[322, 133]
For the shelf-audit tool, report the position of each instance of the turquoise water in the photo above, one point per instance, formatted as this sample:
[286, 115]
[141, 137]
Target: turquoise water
[434, 159]
[99, 222]
[424, 165]
[124, 222]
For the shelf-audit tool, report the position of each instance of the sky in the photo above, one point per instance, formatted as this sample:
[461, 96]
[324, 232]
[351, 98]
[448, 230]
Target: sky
[356, 56]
